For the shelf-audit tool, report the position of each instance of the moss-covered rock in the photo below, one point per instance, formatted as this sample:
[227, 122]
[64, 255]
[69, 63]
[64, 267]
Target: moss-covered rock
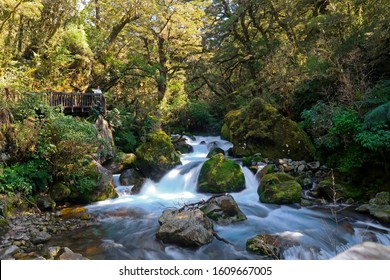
[157, 155]
[215, 151]
[338, 191]
[72, 213]
[379, 212]
[279, 188]
[221, 175]
[102, 186]
[120, 162]
[45, 202]
[59, 192]
[181, 145]
[382, 198]
[269, 245]
[259, 128]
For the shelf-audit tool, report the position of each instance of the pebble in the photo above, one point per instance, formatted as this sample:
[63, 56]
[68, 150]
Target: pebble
[28, 232]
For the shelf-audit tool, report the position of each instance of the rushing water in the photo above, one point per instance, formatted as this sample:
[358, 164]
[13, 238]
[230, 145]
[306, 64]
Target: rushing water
[128, 224]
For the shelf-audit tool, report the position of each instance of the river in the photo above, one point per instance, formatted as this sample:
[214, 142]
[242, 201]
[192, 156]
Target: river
[128, 224]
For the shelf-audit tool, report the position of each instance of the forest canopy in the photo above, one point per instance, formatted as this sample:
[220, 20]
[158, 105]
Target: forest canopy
[323, 63]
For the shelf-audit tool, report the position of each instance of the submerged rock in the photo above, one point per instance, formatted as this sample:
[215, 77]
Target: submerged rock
[259, 128]
[221, 175]
[223, 209]
[365, 251]
[279, 188]
[185, 227]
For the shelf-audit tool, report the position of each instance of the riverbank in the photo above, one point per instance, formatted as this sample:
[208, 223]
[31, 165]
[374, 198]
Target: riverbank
[27, 233]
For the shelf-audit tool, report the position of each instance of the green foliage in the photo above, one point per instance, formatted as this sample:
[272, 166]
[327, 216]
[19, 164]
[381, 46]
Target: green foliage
[375, 137]
[11, 181]
[380, 114]
[346, 140]
[200, 117]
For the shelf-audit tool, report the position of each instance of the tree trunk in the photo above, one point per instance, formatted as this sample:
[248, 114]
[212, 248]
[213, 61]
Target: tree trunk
[163, 70]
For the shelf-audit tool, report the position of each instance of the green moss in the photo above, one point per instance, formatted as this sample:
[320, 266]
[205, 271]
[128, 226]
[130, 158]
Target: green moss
[127, 160]
[225, 132]
[263, 245]
[279, 188]
[219, 175]
[59, 192]
[157, 155]
[3, 222]
[342, 190]
[215, 151]
[259, 128]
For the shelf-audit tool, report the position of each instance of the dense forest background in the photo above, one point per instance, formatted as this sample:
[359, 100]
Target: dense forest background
[182, 65]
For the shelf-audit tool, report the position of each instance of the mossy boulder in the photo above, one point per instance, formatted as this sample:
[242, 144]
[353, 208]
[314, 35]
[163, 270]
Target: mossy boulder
[330, 190]
[156, 156]
[379, 212]
[59, 192]
[221, 175]
[259, 128]
[72, 213]
[215, 151]
[279, 188]
[45, 202]
[102, 189]
[382, 198]
[120, 162]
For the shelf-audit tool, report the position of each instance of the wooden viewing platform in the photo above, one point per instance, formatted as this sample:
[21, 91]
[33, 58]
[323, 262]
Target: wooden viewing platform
[72, 103]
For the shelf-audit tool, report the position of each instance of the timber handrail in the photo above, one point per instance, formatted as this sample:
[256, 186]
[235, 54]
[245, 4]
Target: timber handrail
[76, 103]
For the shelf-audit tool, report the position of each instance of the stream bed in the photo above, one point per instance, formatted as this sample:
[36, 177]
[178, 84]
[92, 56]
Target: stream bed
[128, 224]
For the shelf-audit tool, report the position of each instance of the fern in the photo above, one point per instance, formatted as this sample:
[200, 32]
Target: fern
[381, 114]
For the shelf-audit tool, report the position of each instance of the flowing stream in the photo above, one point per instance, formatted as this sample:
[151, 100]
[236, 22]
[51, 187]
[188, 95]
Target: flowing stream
[128, 224]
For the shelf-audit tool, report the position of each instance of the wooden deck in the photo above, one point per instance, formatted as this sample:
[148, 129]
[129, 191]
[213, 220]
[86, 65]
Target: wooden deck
[72, 103]
[77, 103]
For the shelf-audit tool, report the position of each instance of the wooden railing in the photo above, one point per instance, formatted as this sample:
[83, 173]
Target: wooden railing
[73, 103]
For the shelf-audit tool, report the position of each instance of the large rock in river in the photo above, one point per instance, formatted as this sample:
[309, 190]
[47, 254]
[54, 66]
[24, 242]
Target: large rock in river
[365, 251]
[221, 175]
[223, 209]
[259, 128]
[185, 227]
[156, 156]
[279, 188]
[104, 185]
